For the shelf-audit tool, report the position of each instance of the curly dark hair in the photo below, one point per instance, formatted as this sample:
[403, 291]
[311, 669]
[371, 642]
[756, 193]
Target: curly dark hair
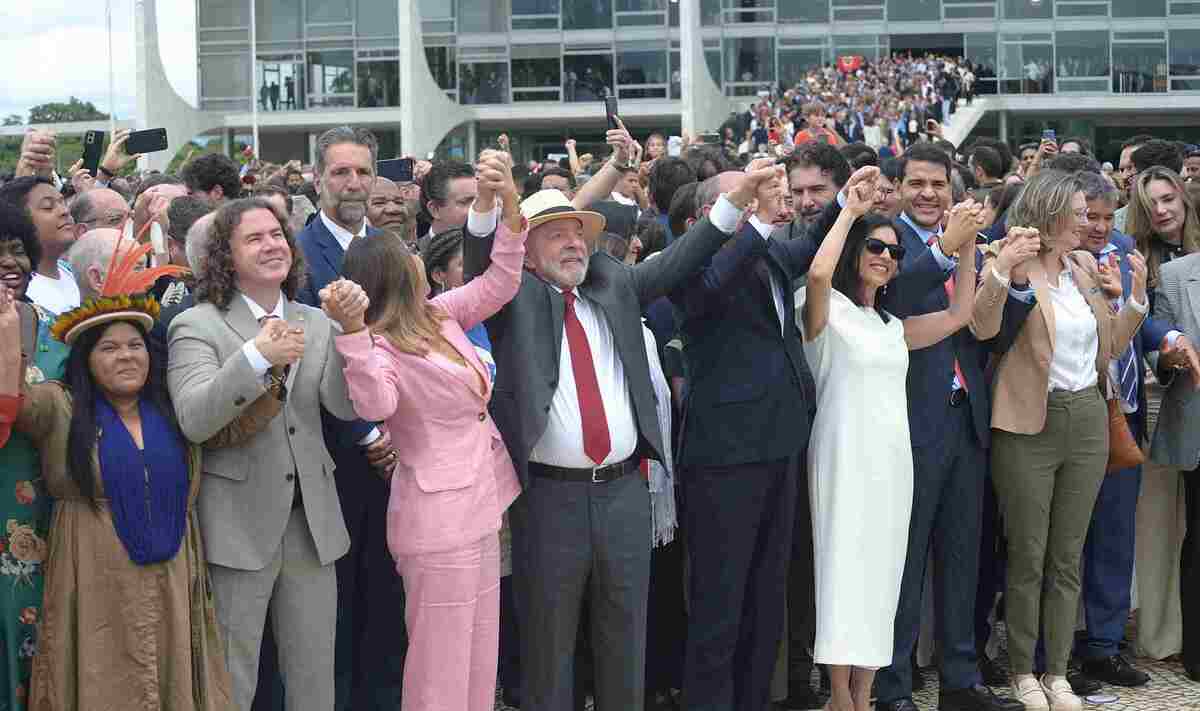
[824, 157]
[217, 282]
[16, 225]
[210, 170]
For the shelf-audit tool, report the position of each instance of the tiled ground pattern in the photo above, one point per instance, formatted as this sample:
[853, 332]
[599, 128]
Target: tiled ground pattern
[1169, 690]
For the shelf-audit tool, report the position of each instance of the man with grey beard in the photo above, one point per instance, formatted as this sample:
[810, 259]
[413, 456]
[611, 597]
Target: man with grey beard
[369, 664]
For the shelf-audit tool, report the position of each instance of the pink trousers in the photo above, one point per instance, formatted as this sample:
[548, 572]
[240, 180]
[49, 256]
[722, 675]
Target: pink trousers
[452, 609]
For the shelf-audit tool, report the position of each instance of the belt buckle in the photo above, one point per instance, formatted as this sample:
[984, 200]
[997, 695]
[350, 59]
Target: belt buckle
[958, 397]
[596, 470]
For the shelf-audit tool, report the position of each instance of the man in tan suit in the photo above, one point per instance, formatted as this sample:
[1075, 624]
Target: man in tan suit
[269, 510]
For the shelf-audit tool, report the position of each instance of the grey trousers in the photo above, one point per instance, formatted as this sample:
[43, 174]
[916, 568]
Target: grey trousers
[570, 538]
[302, 596]
[1047, 485]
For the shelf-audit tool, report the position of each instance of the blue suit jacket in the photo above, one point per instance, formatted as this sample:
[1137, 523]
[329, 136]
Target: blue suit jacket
[930, 370]
[750, 393]
[324, 257]
[1150, 336]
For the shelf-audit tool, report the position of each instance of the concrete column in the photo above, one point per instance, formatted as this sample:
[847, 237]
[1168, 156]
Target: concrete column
[159, 106]
[1003, 119]
[312, 148]
[472, 140]
[426, 113]
[704, 107]
[226, 141]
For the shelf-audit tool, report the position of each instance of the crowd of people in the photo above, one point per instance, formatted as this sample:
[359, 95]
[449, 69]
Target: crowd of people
[886, 104]
[671, 429]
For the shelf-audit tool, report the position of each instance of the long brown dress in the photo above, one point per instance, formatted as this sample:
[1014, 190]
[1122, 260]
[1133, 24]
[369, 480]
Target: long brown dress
[114, 634]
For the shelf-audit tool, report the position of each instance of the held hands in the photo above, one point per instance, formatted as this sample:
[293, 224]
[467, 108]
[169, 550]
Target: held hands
[381, 454]
[860, 196]
[866, 174]
[1021, 245]
[494, 173]
[279, 343]
[37, 154]
[759, 172]
[346, 302]
[963, 222]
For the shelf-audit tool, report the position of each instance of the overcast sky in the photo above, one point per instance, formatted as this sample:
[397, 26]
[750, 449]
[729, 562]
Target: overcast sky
[54, 49]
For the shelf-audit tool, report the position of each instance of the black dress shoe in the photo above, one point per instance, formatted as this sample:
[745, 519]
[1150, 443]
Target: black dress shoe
[897, 705]
[511, 697]
[976, 698]
[1192, 671]
[1115, 670]
[992, 671]
[1082, 684]
[802, 698]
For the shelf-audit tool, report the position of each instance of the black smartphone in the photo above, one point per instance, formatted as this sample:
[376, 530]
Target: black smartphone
[148, 141]
[93, 149]
[610, 109]
[399, 170]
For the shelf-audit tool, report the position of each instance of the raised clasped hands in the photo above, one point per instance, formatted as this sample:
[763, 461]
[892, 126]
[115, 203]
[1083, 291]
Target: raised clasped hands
[855, 193]
[346, 303]
[279, 342]
[493, 173]
[1021, 245]
[962, 224]
[760, 172]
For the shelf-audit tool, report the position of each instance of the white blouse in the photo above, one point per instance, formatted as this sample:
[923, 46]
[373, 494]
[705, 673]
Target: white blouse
[1076, 339]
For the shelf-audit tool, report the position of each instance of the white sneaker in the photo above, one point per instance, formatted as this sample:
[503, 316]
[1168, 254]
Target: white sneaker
[1058, 692]
[1028, 691]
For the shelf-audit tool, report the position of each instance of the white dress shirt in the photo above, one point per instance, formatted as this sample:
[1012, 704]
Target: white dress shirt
[561, 445]
[343, 236]
[765, 230]
[1076, 341]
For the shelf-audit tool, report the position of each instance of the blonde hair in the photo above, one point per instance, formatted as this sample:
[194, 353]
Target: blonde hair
[1139, 222]
[1045, 205]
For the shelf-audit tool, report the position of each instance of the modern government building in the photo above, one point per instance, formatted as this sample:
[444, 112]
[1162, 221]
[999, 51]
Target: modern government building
[447, 76]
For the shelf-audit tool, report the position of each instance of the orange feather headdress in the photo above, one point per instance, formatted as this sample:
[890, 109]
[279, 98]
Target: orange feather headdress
[122, 296]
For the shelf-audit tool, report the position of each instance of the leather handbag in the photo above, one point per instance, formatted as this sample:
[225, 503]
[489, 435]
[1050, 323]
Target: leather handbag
[1123, 449]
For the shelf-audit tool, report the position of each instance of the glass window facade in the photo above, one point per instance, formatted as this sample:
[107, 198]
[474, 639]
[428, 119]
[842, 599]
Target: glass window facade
[338, 53]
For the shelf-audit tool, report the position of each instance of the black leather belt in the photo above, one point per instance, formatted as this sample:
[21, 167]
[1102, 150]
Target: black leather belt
[958, 397]
[591, 475]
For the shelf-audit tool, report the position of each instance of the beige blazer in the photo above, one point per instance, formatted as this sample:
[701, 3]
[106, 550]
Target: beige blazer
[247, 490]
[1022, 376]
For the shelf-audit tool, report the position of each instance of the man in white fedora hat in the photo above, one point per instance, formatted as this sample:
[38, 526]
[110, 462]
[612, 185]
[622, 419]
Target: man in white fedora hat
[576, 407]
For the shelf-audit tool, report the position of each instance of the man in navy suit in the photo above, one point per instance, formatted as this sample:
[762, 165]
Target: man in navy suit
[369, 664]
[1109, 550]
[949, 422]
[745, 425]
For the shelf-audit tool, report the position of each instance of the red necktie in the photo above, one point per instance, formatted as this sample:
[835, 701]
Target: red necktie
[596, 442]
[950, 293]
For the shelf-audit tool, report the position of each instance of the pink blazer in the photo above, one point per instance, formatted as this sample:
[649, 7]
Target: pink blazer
[453, 478]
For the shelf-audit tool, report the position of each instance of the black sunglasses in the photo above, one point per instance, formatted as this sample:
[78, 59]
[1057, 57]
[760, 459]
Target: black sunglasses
[876, 246]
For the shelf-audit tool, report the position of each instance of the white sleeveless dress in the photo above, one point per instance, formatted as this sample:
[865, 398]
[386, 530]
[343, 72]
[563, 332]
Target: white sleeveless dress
[860, 480]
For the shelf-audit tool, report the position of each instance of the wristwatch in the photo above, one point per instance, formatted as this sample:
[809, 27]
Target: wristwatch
[104, 170]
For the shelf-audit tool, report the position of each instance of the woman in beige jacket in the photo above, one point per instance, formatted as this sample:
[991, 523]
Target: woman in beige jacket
[1049, 419]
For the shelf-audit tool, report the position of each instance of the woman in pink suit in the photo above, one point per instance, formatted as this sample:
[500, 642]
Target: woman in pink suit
[415, 369]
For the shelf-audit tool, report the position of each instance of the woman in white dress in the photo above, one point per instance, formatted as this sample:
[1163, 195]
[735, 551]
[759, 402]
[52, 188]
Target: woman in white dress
[860, 456]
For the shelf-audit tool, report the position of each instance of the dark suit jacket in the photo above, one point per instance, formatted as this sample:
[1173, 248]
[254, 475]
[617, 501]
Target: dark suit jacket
[931, 369]
[746, 400]
[527, 336]
[323, 256]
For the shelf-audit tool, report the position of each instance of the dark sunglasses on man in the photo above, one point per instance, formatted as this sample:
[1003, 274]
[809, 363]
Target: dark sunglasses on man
[877, 246]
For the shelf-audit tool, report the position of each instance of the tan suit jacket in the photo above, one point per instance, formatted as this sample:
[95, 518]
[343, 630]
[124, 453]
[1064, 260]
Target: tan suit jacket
[247, 491]
[1022, 377]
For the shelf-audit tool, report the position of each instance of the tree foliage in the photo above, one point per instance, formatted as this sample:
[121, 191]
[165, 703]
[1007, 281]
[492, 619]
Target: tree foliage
[72, 110]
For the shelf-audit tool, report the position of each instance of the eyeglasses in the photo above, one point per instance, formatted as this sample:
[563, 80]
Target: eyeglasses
[877, 246]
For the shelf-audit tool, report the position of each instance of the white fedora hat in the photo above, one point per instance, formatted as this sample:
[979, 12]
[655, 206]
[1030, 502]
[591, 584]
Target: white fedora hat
[551, 204]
